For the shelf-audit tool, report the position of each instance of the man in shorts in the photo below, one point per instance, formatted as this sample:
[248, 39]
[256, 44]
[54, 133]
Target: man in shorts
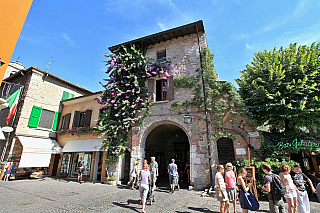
[81, 169]
[172, 170]
[154, 172]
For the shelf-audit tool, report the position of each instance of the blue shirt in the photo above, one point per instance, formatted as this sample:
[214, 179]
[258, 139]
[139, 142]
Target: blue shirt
[173, 169]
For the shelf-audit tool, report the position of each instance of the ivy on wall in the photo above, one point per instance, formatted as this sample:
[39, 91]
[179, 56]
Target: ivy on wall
[125, 98]
[221, 97]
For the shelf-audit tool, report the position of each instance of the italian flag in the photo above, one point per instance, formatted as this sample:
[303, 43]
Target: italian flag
[13, 102]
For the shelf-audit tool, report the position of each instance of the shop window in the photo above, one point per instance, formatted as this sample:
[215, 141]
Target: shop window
[87, 158]
[161, 56]
[65, 122]
[82, 119]
[43, 118]
[65, 164]
[161, 90]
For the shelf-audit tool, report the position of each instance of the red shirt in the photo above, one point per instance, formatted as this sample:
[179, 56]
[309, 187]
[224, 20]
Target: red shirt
[229, 179]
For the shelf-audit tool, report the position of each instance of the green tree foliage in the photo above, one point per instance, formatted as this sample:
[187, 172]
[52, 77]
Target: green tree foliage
[280, 88]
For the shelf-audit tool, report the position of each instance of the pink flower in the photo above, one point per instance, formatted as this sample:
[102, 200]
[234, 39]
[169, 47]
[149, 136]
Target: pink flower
[175, 71]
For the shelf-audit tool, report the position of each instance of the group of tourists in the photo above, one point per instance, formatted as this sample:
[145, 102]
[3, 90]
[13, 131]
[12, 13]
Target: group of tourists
[292, 183]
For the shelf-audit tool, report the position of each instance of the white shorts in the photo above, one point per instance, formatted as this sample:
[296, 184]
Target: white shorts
[292, 193]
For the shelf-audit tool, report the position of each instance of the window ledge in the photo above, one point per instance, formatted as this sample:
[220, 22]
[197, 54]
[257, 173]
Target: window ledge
[44, 129]
[160, 102]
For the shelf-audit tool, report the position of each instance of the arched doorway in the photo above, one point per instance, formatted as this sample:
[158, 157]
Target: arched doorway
[225, 151]
[166, 142]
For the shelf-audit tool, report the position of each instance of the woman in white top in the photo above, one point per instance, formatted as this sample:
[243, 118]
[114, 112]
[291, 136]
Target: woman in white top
[221, 191]
[291, 189]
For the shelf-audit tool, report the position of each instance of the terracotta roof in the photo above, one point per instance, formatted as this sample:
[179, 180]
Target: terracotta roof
[164, 35]
[46, 73]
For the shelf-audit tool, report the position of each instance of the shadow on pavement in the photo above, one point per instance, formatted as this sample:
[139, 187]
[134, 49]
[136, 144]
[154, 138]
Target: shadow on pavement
[122, 205]
[202, 210]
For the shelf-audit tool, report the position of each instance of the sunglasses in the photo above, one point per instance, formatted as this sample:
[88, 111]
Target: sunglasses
[229, 166]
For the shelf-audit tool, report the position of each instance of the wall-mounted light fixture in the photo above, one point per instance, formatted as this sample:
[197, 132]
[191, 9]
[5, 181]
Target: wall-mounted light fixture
[187, 118]
[1, 63]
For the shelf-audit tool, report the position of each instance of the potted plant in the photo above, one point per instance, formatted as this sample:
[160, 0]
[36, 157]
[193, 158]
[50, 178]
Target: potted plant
[110, 180]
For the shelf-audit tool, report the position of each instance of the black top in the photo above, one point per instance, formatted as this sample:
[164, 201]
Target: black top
[298, 180]
[314, 180]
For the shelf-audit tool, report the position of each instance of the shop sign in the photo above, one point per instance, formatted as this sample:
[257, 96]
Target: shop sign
[295, 143]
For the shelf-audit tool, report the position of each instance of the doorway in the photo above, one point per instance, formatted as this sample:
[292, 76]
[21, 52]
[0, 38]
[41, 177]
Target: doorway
[225, 151]
[166, 142]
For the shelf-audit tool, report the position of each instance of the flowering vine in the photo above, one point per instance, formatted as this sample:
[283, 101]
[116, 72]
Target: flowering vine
[125, 98]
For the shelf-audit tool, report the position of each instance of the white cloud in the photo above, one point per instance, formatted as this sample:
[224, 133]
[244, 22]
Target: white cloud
[248, 47]
[67, 38]
[301, 8]
[162, 26]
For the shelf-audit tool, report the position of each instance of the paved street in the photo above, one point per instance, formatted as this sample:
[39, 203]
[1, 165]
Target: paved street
[52, 195]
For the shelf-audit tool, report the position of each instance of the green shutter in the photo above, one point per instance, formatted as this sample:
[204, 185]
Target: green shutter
[65, 95]
[71, 95]
[56, 121]
[35, 116]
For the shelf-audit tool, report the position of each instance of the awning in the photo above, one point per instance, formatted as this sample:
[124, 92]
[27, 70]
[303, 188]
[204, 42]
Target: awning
[37, 151]
[89, 145]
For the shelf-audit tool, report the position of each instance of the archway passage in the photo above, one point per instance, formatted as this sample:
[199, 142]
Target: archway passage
[167, 142]
[225, 151]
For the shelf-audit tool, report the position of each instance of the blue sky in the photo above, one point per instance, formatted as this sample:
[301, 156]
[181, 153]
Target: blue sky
[76, 33]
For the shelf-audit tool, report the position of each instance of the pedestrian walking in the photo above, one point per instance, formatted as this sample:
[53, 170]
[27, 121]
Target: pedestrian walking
[172, 170]
[135, 172]
[144, 177]
[187, 170]
[291, 189]
[8, 172]
[298, 179]
[154, 171]
[242, 186]
[221, 191]
[230, 181]
[81, 169]
[276, 204]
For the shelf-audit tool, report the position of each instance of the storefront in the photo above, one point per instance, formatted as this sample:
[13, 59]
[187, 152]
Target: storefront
[31, 154]
[89, 151]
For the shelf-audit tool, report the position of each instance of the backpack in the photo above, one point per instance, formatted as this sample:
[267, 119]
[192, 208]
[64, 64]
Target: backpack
[277, 188]
[79, 163]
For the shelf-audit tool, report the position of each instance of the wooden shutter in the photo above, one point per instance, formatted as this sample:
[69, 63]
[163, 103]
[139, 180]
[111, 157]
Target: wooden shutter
[35, 116]
[76, 119]
[170, 94]
[65, 95]
[151, 90]
[87, 120]
[56, 121]
[66, 121]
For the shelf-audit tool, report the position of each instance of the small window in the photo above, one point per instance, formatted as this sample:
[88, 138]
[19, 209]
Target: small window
[161, 56]
[46, 119]
[161, 90]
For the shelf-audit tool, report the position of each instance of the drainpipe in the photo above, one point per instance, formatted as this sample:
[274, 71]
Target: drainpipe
[205, 109]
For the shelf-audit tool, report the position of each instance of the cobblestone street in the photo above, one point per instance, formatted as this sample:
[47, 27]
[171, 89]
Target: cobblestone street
[52, 195]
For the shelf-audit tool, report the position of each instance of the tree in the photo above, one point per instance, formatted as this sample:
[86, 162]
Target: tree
[280, 88]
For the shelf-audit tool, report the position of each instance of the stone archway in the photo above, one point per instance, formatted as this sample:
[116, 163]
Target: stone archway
[167, 141]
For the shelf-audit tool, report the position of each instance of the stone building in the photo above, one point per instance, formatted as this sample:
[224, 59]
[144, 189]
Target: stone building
[37, 116]
[167, 133]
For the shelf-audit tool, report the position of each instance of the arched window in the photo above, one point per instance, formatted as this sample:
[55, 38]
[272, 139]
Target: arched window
[225, 150]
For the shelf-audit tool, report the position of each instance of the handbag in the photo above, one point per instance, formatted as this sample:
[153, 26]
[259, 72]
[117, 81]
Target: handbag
[249, 200]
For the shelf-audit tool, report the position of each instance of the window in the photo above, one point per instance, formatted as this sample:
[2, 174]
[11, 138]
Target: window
[43, 118]
[82, 119]
[65, 122]
[66, 95]
[161, 56]
[46, 119]
[161, 90]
